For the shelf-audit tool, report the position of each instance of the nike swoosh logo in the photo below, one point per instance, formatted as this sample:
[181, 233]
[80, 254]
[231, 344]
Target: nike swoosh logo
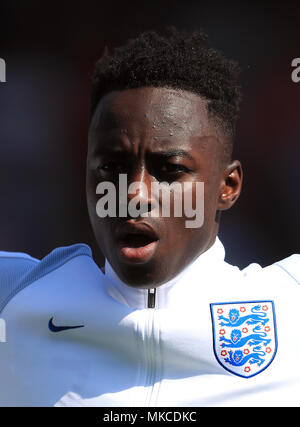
[54, 328]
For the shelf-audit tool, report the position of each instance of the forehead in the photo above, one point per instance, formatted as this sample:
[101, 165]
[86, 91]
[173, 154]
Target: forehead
[165, 115]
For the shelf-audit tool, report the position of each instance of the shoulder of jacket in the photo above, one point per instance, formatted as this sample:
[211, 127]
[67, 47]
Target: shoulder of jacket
[291, 266]
[18, 270]
[288, 267]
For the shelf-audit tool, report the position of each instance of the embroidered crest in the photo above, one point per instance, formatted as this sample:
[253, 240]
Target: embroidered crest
[245, 338]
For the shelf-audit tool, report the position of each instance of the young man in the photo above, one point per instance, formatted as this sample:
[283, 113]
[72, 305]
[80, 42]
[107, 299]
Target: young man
[167, 322]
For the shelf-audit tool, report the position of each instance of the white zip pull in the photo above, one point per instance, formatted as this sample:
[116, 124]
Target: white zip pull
[151, 298]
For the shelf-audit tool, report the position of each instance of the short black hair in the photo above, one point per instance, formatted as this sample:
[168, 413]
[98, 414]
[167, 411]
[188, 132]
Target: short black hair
[179, 60]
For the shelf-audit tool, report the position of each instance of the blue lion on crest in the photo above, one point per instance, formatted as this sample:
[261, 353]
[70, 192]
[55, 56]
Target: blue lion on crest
[234, 319]
[236, 340]
[237, 359]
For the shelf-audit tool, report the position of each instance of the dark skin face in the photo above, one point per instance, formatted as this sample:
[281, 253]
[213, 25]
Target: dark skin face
[154, 135]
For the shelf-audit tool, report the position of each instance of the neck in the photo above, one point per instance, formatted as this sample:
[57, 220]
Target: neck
[157, 297]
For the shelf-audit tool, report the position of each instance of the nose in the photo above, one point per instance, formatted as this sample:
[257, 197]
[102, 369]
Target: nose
[140, 197]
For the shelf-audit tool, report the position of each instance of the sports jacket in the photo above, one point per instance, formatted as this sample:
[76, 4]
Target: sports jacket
[215, 335]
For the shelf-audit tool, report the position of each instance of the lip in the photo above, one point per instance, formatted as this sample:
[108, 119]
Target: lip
[138, 241]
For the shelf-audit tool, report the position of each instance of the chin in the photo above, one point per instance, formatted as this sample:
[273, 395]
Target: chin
[144, 276]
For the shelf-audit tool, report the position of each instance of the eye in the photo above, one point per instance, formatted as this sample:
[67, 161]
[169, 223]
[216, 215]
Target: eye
[173, 168]
[111, 168]
[167, 171]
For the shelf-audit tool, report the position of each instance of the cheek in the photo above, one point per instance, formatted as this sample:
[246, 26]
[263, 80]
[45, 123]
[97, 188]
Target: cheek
[199, 199]
[193, 209]
[181, 245]
[98, 224]
[91, 184]
[92, 195]
[212, 187]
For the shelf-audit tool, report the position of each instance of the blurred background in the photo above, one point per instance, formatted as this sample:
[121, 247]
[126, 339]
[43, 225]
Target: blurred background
[50, 49]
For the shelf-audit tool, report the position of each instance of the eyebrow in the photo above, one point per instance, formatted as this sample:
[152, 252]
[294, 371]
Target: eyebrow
[109, 151]
[173, 153]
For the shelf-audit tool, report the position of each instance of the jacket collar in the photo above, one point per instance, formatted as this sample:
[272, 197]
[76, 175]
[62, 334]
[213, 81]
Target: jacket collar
[139, 298]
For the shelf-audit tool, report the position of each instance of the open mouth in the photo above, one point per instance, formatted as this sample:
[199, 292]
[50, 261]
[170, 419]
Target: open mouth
[137, 240]
[137, 243]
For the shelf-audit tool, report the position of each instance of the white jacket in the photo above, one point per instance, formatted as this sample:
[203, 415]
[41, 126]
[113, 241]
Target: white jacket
[191, 349]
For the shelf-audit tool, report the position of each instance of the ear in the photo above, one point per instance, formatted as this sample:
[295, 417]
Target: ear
[231, 185]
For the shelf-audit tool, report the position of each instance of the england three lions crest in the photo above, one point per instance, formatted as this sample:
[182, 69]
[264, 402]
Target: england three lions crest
[244, 336]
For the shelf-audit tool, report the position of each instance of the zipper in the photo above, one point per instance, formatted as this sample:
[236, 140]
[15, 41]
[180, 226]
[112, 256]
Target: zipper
[152, 353]
[151, 298]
